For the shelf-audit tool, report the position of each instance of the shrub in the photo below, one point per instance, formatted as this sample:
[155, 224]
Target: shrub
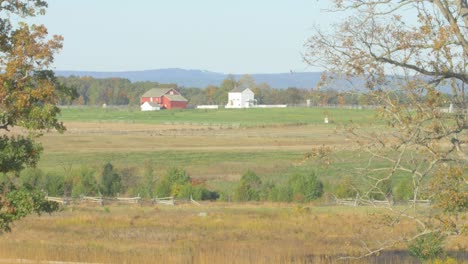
[31, 178]
[148, 183]
[130, 182]
[382, 191]
[177, 183]
[85, 183]
[404, 190]
[281, 194]
[305, 187]
[427, 247]
[171, 183]
[111, 182]
[345, 188]
[249, 188]
[54, 184]
[201, 193]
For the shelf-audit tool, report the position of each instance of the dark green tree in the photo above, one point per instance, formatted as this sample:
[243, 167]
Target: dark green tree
[111, 182]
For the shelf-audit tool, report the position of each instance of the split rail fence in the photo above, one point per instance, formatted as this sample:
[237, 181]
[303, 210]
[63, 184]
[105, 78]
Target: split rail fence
[99, 200]
[378, 203]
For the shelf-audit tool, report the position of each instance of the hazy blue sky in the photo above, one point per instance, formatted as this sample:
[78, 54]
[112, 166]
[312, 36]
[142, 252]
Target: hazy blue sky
[228, 36]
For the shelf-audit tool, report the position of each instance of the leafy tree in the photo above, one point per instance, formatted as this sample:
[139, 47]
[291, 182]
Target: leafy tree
[54, 184]
[171, 183]
[346, 188]
[298, 188]
[111, 182]
[416, 50]
[427, 246]
[84, 183]
[29, 93]
[249, 187]
[305, 187]
[149, 180]
[403, 191]
[247, 81]
[130, 182]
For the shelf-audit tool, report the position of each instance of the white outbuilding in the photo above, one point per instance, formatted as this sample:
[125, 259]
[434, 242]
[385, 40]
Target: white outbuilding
[150, 106]
[240, 98]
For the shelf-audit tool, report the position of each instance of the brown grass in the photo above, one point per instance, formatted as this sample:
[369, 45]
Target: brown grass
[212, 233]
[122, 137]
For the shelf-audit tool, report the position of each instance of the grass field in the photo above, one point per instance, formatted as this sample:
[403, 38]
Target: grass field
[215, 147]
[199, 141]
[211, 233]
[204, 144]
[243, 117]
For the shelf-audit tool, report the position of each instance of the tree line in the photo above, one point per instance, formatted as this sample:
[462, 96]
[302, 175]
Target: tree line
[109, 181]
[119, 91]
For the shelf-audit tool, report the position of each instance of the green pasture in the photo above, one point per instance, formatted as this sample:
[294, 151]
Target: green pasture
[242, 117]
[220, 170]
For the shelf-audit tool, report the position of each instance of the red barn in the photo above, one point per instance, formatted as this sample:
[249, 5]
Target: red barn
[167, 98]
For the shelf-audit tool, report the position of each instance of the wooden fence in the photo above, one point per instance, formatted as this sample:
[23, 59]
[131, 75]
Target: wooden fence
[378, 203]
[164, 200]
[419, 202]
[99, 200]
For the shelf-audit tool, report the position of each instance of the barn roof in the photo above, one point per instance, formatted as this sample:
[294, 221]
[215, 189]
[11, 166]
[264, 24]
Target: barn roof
[156, 92]
[238, 89]
[175, 97]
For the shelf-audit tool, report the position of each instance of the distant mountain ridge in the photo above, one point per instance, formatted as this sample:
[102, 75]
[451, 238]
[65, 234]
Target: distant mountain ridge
[201, 78]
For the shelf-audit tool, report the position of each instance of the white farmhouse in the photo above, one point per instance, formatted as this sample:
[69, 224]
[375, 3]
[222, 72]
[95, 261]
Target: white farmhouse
[240, 98]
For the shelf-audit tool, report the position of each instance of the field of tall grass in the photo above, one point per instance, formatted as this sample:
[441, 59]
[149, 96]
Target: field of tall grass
[210, 233]
[214, 148]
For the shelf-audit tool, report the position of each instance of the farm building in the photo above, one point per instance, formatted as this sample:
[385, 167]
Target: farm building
[240, 98]
[167, 98]
[149, 106]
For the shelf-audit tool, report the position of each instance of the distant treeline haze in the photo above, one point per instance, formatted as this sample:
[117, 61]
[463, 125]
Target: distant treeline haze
[118, 91]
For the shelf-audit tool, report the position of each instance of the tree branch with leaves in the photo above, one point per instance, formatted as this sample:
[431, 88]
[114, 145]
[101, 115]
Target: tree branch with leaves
[418, 49]
[29, 93]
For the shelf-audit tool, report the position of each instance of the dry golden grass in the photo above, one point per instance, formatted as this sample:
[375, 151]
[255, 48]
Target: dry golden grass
[211, 233]
[122, 137]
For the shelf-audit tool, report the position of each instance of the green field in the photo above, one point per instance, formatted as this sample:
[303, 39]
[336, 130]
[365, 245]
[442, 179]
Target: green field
[205, 143]
[216, 146]
[244, 117]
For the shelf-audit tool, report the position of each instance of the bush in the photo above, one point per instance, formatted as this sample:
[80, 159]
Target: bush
[111, 182]
[281, 194]
[130, 182]
[85, 183]
[249, 188]
[403, 191]
[345, 188]
[177, 183]
[200, 193]
[31, 178]
[148, 183]
[427, 247]
[171, 183]
[54, 184]
[305, 188]
[382, 191]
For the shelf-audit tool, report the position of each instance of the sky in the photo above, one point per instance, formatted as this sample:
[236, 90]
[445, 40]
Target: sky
[227, 36]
